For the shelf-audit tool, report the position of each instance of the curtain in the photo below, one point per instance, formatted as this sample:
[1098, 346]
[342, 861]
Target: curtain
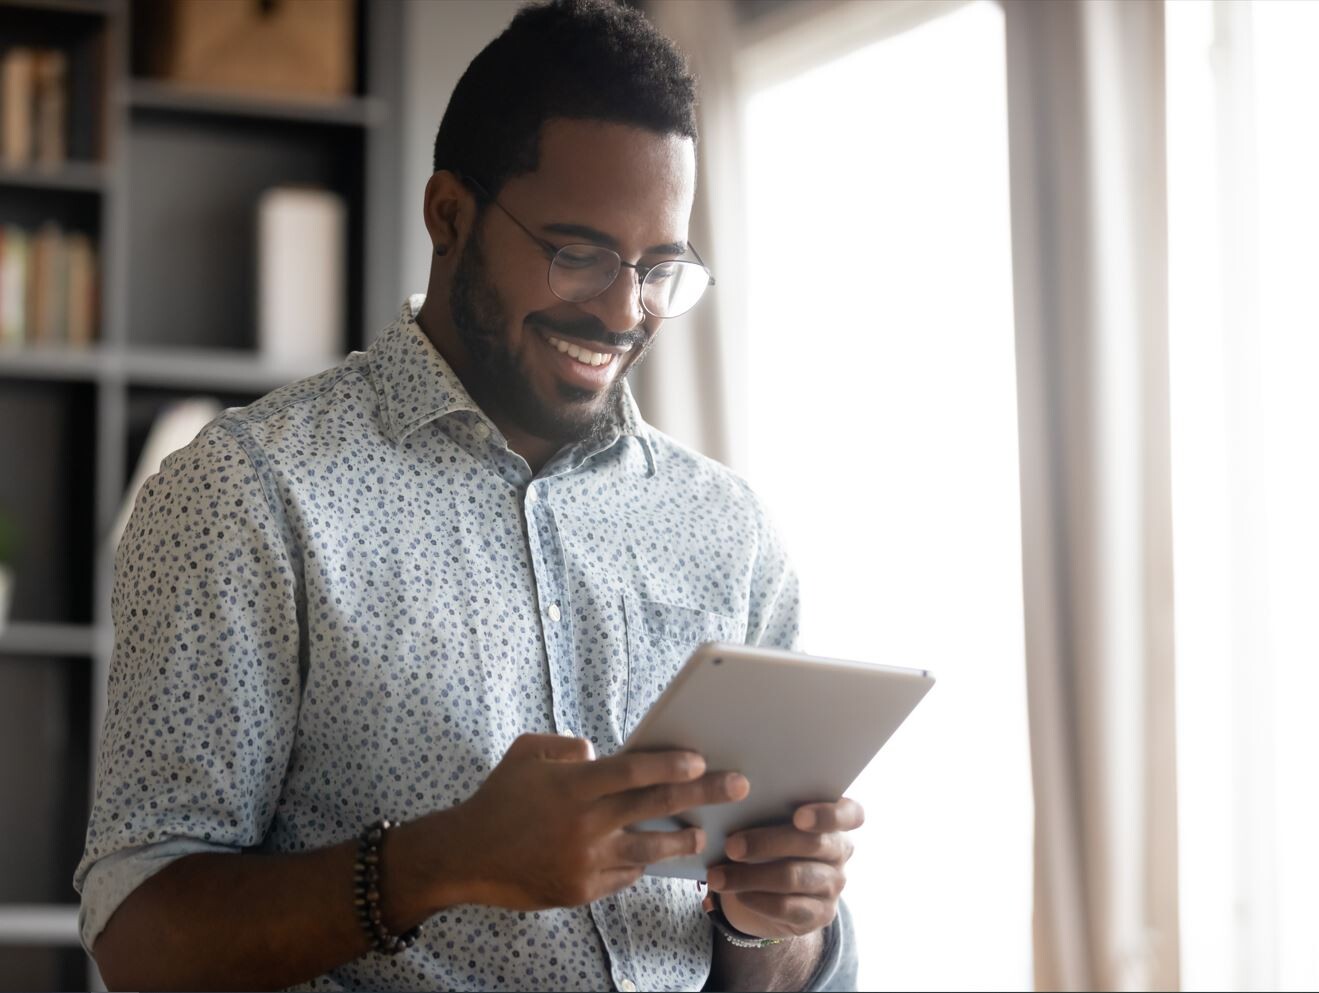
[1086, 124]
[689, 385]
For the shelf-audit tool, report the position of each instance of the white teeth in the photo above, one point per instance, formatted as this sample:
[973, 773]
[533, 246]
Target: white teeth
[582, 355]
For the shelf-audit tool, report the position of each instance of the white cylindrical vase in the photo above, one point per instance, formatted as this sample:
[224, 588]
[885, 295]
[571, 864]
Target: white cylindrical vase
[301, 273]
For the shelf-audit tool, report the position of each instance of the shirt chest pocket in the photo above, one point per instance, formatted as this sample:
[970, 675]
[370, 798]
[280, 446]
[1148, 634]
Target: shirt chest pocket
[660, 637]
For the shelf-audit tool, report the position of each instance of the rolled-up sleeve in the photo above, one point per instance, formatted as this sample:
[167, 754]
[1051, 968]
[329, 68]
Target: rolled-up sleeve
[203, 688]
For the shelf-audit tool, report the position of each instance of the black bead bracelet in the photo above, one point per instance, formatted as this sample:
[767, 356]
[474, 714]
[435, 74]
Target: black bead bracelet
[366, 889]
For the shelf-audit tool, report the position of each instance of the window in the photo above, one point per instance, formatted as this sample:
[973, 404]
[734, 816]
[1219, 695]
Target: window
[883, 434]
[1243, 157]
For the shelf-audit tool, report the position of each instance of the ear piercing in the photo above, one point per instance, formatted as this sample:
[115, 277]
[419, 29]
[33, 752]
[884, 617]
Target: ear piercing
[441, 250]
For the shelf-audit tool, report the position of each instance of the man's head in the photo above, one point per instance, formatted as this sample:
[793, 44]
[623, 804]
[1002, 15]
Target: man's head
[575, 126]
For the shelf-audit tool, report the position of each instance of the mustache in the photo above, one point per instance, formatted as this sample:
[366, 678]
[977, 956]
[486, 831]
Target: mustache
[589, 329]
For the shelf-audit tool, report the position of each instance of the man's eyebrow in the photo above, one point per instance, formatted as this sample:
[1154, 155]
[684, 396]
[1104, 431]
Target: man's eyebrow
[608, 241]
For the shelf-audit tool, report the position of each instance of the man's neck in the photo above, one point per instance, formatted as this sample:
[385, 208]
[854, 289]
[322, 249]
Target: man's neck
[535, 450]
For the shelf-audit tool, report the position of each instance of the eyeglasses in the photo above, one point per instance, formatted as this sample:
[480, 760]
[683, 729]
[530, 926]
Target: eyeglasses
[582, 272]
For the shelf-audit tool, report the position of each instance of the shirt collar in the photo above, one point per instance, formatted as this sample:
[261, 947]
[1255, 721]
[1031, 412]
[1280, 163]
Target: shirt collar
[416, 385]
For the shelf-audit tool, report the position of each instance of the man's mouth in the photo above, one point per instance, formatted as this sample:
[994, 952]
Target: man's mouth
[586, 365]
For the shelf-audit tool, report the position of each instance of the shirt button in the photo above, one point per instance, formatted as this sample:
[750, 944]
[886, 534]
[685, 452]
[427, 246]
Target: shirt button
[555, 612]
[531, 494]
[482, 430]
[627, 986]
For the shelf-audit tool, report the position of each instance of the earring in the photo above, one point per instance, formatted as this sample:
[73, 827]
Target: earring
[441, 250]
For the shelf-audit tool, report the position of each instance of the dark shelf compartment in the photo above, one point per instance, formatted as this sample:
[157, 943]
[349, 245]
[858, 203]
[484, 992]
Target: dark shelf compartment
[78, 29]
[193, 190]
[42, 967]
[48, 444]
[45, 716]
[67, 177]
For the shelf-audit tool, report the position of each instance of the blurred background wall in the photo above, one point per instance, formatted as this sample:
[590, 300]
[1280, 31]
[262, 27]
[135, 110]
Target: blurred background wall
[1013, 333]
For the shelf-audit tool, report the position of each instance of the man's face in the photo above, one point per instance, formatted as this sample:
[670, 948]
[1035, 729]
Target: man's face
[604, 184]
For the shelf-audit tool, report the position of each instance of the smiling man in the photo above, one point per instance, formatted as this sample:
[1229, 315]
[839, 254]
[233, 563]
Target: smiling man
[380, 635]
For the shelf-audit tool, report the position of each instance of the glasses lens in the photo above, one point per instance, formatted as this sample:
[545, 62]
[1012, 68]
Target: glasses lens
[673, 288]
[580, 272]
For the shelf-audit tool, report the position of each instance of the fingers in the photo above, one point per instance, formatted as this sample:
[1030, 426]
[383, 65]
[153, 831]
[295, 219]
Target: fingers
[799, 876]
[638, 848]
[637, 770]
[667, 799]
[555, 747]
[845, 815]
[774, 843]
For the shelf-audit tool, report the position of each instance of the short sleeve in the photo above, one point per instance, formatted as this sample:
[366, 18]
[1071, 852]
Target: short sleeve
[203, 688]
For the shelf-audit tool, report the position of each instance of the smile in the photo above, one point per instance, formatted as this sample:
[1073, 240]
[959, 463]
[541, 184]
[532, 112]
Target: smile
[583, 355]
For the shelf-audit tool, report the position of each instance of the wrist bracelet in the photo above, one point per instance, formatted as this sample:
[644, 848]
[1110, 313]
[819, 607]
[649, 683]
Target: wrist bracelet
[736, 938]
[366, 892]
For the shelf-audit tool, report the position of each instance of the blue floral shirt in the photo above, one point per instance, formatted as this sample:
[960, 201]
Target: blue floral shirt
[345, 600]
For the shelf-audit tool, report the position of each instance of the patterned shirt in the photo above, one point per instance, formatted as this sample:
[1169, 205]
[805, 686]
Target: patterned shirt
[345, 600]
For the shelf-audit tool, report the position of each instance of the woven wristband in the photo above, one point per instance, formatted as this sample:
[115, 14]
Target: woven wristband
[366, 892]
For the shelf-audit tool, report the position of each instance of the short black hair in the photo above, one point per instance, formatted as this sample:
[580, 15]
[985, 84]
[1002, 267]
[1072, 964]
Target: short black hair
[578, 59]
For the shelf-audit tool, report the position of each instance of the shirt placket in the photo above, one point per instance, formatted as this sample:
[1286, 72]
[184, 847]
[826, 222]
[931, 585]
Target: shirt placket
[551, 573]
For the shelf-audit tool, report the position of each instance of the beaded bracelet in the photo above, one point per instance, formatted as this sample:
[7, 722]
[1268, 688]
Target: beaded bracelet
[738, 939]
[366, 887]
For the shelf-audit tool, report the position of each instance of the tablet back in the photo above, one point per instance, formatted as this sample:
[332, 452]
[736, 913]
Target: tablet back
[800, 728]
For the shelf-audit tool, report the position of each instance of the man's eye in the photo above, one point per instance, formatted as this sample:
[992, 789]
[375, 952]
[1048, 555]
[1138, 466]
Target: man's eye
[577, 260]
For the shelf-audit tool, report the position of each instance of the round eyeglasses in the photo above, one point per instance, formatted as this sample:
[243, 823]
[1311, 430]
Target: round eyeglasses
[582, 272]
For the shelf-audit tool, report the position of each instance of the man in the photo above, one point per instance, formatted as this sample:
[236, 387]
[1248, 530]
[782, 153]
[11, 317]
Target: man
[382, 633]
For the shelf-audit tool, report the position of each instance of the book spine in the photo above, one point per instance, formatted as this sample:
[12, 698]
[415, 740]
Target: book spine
[13, 286]
[17, 81]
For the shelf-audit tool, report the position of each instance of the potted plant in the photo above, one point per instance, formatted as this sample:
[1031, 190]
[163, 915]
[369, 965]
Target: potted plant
[8, 552]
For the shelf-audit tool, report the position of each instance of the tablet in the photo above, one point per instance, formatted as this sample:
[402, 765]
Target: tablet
[800, 728]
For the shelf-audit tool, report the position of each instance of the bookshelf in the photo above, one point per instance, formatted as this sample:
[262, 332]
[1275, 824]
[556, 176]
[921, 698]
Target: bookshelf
[164, 181]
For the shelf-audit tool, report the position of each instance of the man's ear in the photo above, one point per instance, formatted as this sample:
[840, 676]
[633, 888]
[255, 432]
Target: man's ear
[449, 211]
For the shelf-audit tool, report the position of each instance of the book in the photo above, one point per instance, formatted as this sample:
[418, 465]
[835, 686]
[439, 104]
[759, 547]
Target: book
[13, 286]
[51, 118]
[17, 79]
[80, 306]
[46, 287]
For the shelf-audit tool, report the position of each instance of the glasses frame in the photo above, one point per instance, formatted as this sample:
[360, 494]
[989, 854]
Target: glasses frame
[551, 252]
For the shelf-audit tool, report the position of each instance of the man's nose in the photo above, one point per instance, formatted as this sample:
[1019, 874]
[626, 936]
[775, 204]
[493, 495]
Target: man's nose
[619, 308]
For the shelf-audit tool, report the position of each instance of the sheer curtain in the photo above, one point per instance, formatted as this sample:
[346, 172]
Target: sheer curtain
[1084, 82]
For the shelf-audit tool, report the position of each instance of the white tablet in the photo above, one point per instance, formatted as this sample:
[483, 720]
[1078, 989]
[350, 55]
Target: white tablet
[800, 728]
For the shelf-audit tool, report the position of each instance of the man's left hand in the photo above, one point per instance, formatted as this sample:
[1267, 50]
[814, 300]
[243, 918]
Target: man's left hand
[784, 882]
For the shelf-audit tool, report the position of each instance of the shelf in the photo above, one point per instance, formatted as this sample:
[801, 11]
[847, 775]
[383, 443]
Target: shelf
[36, 638]
[38, 924]
[187, 368]
[198, 368]
[51, 363]
[76, 177]
[151, 95]
[95, 8]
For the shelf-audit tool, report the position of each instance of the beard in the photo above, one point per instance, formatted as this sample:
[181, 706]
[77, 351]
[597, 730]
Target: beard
[499, 380]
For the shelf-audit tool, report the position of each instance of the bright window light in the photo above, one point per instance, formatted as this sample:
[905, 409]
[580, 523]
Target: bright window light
[1243, 216]
[883, 435]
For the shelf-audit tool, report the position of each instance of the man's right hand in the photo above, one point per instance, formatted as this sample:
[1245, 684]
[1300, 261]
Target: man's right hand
[549, 827]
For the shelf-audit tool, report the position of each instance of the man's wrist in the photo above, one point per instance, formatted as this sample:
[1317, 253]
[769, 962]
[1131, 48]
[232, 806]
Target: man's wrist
[425, 870]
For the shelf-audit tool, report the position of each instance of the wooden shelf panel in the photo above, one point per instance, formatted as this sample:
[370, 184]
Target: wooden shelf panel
[189, 368]
[152, 95]
[38, 924]
[36, 638]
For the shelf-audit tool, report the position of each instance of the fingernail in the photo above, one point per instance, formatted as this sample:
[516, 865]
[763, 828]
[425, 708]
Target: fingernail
[715, 877]
[736, 847]
[806, 819]
[736, 784]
